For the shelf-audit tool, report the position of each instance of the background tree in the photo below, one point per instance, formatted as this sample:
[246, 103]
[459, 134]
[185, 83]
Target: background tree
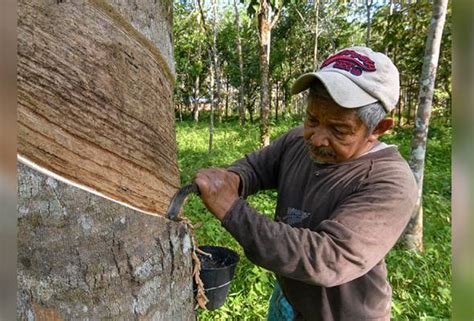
[267, 13]
[241, 64]
[190, 58]
[414, 232]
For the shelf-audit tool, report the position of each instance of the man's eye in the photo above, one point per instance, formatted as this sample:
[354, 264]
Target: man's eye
[311, 121]
[338, 131]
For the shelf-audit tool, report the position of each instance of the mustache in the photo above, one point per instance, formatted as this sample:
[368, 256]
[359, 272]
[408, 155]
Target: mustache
[320, 151]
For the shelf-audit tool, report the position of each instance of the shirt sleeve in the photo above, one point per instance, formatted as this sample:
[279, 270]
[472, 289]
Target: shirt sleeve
[259, 170]
[361, 231]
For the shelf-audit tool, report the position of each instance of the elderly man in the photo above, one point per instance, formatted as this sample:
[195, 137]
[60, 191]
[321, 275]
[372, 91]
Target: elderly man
[344, 197]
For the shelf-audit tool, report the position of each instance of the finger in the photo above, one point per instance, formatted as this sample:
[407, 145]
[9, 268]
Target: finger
[202, 181]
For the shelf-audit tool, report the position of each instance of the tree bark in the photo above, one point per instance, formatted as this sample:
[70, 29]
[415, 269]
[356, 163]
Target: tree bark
[227, 99]
[316, 33]
[277, 98]
[95, 98]
[95, 109]
[83, 257]
[401, 107]
[216, 63]
[213, 105]
[196, 100]
[413, 236]
[241, 66]
[264, 30]
[390, 12]
[409, 110]
[368, 5]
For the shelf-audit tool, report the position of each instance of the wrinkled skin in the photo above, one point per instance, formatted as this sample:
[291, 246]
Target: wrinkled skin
[332, 133]
[219, 189]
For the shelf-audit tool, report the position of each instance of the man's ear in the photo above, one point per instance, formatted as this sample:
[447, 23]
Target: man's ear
[384, 125]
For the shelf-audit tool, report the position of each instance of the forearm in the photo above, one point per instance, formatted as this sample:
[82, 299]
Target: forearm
[301, 254]
[252, 177]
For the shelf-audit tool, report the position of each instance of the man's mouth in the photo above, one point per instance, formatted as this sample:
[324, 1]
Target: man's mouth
[321, 154]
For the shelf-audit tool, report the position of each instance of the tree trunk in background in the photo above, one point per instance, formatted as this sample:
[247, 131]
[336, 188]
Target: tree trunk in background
[288, 97]
[277, 96]
[227, 99]
[390, 12]
[196, 100]
[411, 105]
[413, 237]
[266, 21]
[264, 31]
[409, 113]
[180, 108]
[250, 107]
[448, 104]
[399, 120]
[368, 5]
[403, 107]
[213, 104]
[316, 33]
[241, 66]
[216, 62]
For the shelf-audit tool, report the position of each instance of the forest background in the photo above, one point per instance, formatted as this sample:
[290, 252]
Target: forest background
[224, 109]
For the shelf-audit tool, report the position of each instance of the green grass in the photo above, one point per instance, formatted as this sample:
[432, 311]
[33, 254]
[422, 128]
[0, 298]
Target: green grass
[421, 282]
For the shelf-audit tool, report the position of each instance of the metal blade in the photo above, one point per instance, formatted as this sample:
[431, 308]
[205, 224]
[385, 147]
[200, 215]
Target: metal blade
[178, 200]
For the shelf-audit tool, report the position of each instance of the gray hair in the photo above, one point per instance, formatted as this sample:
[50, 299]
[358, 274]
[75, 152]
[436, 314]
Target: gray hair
[371, 115]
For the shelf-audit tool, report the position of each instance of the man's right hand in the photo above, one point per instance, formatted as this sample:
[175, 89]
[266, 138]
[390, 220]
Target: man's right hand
[219, 189]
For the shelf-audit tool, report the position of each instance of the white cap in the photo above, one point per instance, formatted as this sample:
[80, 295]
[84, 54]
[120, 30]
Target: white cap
[356, 77]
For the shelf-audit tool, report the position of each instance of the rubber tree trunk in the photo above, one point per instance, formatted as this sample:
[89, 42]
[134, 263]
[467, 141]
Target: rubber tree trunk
[264, 29]
[368, 5]
[413, 237]
[277, 98]
[196, 100]
[266, 18]
[227, 99]
[390, 12]
[241, 66]
[84, 257]
[316, 33]
[94, 90]
[213, 105]
[216, 62]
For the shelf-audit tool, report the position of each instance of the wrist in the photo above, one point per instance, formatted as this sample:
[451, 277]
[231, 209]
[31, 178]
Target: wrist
[224, 211]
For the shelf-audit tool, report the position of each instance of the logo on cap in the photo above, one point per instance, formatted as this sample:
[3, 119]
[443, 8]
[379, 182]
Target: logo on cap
[350, 61]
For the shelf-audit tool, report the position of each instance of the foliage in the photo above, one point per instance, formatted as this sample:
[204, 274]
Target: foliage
[190, 52]
[421, 281]
[401, 33]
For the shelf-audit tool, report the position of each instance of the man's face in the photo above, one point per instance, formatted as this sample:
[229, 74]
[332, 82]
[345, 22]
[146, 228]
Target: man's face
[332, 133]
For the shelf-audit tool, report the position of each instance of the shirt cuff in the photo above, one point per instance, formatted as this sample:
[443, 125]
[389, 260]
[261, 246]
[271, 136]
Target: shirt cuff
[226, 221]
[241, 181]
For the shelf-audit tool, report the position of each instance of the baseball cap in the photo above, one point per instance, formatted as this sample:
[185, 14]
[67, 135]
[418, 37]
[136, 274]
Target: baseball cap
[355, 77]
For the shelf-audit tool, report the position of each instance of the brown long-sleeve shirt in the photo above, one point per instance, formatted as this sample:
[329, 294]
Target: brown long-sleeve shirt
[334, 224]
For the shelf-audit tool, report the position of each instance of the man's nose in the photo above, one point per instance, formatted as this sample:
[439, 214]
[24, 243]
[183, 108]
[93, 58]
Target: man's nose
[319, 138]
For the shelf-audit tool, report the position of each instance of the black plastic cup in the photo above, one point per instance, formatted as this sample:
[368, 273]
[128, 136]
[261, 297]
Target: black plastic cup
[216, 273]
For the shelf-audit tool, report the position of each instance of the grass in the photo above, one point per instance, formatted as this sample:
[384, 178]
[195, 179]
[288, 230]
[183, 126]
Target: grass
[421, 282]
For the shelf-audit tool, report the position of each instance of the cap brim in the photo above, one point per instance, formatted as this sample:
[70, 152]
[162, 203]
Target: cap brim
[344, 92]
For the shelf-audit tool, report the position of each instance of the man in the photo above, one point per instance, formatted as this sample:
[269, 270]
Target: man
[344, 198]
